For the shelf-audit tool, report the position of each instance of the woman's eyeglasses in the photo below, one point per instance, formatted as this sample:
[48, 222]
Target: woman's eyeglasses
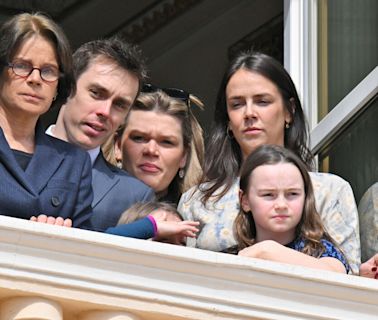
[24, 69]
[172, 92]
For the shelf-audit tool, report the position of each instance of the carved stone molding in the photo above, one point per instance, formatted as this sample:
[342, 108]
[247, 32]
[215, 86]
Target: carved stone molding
[85, 271]
[26, 308]
[108, 315]
[155, 18]
[52, 7]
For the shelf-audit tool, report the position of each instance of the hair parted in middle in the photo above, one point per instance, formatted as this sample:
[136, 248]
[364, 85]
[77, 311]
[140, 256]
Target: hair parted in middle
[222, 171]
[310, 228]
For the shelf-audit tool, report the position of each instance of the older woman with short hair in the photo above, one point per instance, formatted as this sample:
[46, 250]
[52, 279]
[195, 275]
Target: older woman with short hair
[40, 175]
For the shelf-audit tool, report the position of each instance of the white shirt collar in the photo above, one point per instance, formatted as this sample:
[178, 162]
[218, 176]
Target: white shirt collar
[50, 129]
[93, 153]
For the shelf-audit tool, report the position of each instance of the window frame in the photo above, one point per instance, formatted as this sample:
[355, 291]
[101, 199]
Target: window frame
[301, 61]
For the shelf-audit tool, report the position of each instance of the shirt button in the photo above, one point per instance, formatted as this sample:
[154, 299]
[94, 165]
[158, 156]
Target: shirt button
[55, 201]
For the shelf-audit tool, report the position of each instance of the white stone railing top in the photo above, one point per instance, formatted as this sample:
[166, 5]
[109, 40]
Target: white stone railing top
[86, 270]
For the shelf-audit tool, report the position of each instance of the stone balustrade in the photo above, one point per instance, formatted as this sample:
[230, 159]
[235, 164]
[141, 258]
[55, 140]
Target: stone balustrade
[56, 273]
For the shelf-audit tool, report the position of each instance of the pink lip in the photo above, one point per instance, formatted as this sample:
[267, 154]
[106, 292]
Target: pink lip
[280, 217]
[95, 126]
[33, 97]
[252, 130]
[94, 129]
[149, 167]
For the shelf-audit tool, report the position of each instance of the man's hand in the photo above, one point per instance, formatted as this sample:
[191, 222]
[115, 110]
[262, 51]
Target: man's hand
[369, 269]
[52, 220]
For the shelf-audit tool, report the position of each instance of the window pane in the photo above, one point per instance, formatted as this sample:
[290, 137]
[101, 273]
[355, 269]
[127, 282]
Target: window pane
[348, 51]
[354, 154]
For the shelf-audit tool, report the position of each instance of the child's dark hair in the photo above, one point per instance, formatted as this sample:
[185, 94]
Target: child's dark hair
[310, 228]
[140, 210]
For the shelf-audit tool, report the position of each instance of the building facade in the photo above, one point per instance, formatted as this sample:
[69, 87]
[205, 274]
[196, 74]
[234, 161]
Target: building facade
[330, 49]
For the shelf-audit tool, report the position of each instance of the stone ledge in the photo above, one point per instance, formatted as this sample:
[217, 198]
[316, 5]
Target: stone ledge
[86, 270]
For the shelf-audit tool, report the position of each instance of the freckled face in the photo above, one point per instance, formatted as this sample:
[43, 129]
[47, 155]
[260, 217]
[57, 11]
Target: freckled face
[29, 97]
[152, 148]
[256, 111]
[276, 199]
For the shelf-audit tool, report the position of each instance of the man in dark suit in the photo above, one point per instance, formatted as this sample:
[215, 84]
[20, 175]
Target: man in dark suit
[108, 76]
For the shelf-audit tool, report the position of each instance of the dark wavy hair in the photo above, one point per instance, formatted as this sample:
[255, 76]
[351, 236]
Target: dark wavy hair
[221, 171]
[21, 27]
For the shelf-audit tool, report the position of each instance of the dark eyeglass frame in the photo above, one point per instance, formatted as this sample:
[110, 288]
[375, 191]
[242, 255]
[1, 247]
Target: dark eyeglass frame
[32, 68]
[172, 92]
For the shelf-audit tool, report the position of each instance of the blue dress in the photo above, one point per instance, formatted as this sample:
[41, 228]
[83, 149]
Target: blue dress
[330, 250]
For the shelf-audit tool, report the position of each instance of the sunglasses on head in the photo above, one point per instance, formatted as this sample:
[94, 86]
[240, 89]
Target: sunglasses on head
[172, 92]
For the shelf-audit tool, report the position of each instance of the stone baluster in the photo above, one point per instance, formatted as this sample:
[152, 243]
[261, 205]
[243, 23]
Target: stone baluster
[30, 308]
[108, 315]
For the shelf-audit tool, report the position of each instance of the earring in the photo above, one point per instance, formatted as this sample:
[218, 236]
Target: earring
[119, 164]
[287, 125]
[54, 98]
[181, 173]
[229, 132]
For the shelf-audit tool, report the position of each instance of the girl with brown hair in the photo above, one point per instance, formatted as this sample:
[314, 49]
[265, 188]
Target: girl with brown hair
[278, 220]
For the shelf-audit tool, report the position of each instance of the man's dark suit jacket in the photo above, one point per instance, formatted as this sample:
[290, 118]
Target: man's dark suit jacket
[114, 191]
[56, 182]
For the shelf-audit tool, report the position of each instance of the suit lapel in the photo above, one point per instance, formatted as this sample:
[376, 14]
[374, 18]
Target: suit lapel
[9, 161]
[103, 179]
[45, 161]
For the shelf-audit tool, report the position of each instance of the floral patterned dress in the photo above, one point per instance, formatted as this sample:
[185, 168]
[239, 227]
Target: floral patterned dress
[334, 201]
[330, 250]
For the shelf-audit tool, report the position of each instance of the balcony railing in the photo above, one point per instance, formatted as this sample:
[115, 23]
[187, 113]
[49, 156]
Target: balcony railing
[55, 273]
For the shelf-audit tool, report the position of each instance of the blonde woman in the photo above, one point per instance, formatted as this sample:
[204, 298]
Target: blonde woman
[161, 142]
